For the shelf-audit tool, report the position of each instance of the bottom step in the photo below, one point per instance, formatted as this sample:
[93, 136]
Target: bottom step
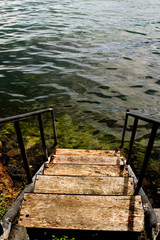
[107, 213]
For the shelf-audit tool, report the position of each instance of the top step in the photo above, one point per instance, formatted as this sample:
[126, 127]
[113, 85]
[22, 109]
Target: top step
[83, 156]
[87, 152]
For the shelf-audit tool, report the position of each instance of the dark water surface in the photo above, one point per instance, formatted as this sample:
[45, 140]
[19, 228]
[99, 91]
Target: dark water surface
[91, 59]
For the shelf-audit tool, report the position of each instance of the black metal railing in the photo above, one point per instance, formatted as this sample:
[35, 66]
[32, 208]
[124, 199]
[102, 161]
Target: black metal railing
[16, 120]
[155, 124]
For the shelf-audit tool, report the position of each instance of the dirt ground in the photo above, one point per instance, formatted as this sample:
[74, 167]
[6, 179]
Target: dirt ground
[8, 192]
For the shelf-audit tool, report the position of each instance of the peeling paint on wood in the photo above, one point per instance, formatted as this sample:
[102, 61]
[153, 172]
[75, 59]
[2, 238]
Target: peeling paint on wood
[85, 170]
[109, 213]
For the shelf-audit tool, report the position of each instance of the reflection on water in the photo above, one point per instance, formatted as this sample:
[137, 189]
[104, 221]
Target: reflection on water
[91, 59]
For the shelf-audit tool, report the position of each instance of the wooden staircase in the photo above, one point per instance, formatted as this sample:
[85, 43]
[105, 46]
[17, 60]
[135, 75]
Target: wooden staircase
[84, 190]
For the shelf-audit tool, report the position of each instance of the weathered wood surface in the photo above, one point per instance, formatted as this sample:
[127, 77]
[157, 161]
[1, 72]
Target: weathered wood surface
[84, 190]
[85, 170]
[86, 152]
[86, 159]
[84, 185]
[109, 213]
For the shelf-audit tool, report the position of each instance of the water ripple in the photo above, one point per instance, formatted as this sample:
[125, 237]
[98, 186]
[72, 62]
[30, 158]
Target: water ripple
[93, 56]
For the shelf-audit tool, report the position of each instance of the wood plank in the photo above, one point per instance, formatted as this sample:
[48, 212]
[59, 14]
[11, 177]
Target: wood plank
[84, 185]
[85, 170]
[108, 213]
[87, 152]
[88, 159]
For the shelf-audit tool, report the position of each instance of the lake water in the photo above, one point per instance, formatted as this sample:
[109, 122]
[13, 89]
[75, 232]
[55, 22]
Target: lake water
[89, 58]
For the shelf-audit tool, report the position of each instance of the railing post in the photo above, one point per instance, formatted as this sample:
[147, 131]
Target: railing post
[146, 158]
[124, 128]
[42, 136]
[54, 126]
[23, 153]
[132, 139]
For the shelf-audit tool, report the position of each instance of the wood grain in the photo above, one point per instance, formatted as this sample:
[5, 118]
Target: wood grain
[84, 185]
[109, 213]
[86, 152]
[85, 169]
[86, 159]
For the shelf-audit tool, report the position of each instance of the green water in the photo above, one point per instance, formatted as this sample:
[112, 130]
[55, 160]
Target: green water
[91, 59]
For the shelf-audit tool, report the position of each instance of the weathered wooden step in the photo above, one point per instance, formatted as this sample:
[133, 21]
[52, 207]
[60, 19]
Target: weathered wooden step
[85, 169]
[88, 159]
[84, 185]
[108, 213]
[87, 152]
